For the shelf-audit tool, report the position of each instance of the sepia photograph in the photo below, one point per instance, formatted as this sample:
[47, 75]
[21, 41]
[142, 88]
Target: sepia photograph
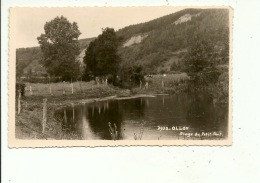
[108, 76]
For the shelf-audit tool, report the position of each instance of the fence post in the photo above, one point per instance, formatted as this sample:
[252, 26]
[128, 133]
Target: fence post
[162, 84]
[73, 113]
[72, 88]
[50, 90]
[30, 90]
[80, 85]
[65, 117]
[63, 87]
[44, 120]
[19, 101]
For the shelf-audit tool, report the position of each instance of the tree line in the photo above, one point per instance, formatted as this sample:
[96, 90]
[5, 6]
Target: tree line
[208, 47]
[60, 47]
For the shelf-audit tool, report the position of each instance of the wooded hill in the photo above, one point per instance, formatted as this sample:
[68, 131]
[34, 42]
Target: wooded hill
[166, 40]
[159, 45]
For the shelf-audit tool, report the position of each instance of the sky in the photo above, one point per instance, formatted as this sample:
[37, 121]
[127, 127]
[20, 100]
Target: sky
[29, 22]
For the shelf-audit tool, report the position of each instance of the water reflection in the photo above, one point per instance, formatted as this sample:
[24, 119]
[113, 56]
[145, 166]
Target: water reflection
[100, 114]
[133, 116]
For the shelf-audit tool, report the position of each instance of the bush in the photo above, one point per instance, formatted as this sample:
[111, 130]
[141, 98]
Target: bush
[110, 78]
[221, 90]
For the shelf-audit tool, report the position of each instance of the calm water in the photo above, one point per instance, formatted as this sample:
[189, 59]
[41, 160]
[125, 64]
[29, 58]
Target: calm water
[148, 118]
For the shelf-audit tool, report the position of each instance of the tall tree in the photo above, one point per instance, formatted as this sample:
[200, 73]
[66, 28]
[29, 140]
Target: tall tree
[101, 56]
[60, 47]
[200, 64]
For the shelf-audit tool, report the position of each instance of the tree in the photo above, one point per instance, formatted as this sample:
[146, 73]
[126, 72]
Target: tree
[200, 64]
[101, 56]
[60, 47]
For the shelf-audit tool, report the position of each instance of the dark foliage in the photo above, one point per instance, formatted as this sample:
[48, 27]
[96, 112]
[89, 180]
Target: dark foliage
[201, 65]
[131, 75]
[101, 56]
[60, 47]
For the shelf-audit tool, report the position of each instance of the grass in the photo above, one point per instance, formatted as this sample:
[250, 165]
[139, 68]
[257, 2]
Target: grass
[139, 135]
[28, 123]
[169, 80]
[113, 131]
[56, 89]
[164, 84]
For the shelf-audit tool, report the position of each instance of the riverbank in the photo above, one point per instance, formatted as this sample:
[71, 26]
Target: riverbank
[59, 95]
[29, 121]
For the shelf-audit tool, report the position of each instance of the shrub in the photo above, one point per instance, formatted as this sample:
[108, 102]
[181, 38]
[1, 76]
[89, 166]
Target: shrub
[110, 78]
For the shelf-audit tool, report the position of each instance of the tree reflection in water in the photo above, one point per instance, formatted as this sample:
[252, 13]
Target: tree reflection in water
[196, 111]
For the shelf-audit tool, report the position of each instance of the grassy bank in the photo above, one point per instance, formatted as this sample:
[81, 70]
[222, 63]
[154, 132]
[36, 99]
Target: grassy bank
[28, 122]
[164, 84]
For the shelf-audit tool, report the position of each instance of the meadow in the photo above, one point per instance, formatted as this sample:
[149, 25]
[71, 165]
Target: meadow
[61, 88]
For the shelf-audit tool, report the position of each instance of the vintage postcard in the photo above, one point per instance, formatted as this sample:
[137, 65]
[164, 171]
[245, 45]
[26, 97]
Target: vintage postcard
[120, 76]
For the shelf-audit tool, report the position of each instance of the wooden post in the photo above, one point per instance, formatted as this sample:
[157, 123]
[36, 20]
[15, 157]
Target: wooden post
[30, 90]
[162, 84]
[72, 91]
[50, 90]
[73, 112]
[19, 101]
[64, 88]
[65, 117]
[44, 120]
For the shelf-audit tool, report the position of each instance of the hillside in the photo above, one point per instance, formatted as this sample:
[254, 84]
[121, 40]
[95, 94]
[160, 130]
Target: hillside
[164, 41]
[159, 45]
[27, 59]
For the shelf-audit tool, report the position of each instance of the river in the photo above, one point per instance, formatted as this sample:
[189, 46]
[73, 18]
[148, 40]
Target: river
[163, 117]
